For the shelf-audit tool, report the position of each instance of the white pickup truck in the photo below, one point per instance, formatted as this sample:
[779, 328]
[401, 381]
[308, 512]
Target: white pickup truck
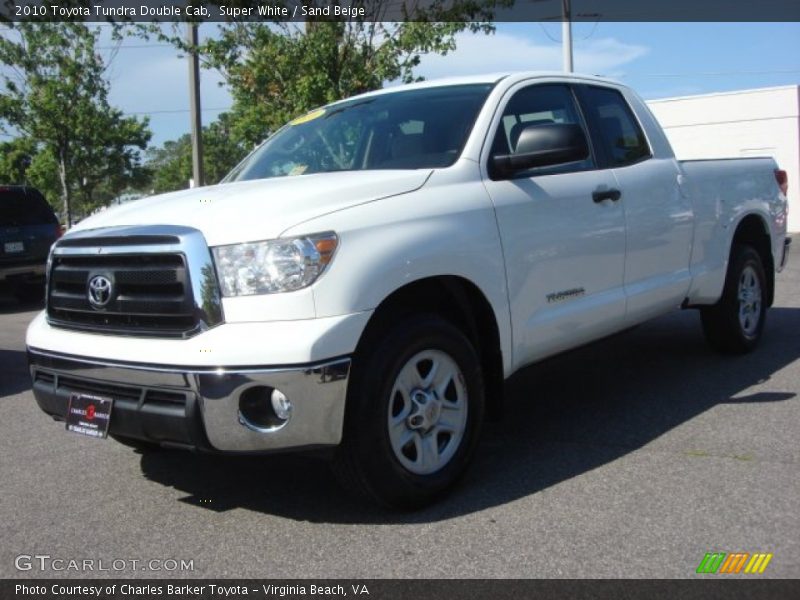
[367, 278]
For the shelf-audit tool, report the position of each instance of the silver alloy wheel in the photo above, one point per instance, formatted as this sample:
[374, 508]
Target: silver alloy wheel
[427, 412]
[749, 301]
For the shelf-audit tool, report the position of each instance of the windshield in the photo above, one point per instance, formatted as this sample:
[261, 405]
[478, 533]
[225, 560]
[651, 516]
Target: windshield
[415, 129]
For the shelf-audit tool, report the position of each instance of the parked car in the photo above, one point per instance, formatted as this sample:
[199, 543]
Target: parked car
[28, 227]
[366, 280]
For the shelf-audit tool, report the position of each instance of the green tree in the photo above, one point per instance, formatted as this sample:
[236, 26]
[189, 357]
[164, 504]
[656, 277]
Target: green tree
[171, 164]
[277, 71]
[22, 162]
[15, 159]
[56, 95]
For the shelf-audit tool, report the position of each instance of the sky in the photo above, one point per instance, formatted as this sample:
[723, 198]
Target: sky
[658, 60]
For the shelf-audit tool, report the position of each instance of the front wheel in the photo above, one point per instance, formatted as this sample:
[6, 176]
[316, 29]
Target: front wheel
[414, 412]
[735, 323]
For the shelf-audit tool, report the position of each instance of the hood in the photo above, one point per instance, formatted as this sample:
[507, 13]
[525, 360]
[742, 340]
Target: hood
[261, 209]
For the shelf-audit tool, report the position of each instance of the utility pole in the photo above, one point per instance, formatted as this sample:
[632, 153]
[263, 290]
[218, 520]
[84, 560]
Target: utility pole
[198, 178]
[566, 35]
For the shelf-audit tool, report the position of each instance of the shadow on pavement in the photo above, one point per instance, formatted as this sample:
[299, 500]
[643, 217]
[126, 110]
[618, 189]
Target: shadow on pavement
[564, 417]
[14, 375]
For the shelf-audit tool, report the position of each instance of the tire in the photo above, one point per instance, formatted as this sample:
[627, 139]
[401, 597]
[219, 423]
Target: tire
[734, 324]
[415, 406]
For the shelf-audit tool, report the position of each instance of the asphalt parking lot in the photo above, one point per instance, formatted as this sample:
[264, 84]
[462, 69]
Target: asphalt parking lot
[632, 457]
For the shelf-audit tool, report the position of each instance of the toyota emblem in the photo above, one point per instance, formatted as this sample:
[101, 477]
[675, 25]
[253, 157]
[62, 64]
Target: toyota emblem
[99, 291]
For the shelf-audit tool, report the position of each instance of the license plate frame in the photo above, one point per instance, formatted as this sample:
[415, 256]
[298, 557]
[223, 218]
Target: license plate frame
[89, 415]
[14, 247]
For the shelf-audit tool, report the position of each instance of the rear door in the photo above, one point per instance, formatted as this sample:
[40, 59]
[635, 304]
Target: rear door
[658, 216]
[564, 245]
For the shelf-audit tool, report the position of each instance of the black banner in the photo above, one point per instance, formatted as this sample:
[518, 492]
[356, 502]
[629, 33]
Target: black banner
[702, 588]
[399, 10]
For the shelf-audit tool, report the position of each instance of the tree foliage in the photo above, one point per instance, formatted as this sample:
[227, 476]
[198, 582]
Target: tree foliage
[23, 162]
[15, 159]
[277, 71]
[56, 96]
[171, 164]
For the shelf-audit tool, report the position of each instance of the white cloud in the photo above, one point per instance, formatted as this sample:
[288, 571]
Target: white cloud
[476, 53]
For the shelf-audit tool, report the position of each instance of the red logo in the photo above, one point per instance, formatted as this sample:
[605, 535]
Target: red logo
[90, 410]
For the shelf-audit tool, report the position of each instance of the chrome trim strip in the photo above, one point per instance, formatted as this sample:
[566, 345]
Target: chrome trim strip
[188, 370]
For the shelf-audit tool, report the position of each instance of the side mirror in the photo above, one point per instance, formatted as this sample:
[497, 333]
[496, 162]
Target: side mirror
[543, 145]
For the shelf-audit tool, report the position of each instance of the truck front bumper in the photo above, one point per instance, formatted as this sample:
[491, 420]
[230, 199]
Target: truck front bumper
[31, 270]
[200, 407]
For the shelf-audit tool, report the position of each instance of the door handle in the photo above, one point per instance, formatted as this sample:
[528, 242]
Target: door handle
[613, 195]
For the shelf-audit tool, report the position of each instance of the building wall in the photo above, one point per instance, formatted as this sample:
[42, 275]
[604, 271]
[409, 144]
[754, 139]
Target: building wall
[746, 123]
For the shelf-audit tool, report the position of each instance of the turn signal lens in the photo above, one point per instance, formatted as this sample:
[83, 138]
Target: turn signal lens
[783, 180]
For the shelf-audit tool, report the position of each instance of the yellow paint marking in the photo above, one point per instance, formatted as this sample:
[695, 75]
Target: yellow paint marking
[314, 114]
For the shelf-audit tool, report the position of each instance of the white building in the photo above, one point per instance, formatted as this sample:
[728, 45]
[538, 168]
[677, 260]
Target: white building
[746, 123]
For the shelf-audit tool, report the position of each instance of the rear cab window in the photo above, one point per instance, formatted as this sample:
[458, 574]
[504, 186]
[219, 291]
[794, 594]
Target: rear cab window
[21, 207]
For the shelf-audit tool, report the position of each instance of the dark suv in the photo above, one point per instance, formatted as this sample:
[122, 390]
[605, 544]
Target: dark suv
[28, 227]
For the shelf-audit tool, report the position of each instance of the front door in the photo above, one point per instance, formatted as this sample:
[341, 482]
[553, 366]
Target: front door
[563, 235]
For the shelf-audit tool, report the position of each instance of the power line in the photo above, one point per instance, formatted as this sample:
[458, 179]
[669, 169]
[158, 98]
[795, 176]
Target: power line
[134, 47]
[173, 111]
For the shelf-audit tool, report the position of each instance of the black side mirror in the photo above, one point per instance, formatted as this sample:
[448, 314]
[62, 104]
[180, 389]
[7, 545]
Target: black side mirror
[543, 145]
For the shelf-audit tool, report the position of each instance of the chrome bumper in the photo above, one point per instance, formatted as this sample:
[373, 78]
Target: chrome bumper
[184, 406]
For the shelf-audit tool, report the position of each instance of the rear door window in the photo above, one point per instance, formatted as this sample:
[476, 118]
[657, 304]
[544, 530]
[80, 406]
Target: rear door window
[614, 127]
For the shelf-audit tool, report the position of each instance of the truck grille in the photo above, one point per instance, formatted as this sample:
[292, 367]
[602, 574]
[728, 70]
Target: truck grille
[150, 294]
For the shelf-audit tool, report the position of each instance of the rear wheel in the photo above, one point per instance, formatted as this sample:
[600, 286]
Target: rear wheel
[414, 411]
[735, 323]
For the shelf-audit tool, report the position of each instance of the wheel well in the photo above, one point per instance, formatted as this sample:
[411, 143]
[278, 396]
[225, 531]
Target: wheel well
[460, 302]
[753, 231]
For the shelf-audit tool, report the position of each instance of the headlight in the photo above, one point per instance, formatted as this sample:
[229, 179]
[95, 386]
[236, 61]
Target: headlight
[273, 266]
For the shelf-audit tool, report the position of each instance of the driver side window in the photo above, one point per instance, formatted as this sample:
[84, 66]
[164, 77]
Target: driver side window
[538, 105]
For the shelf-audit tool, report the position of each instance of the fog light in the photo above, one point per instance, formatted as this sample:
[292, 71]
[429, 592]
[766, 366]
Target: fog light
[281, 405]
[263, 409]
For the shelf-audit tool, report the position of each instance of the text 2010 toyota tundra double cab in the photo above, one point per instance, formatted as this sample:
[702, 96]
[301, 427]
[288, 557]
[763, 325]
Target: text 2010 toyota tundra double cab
[367, 278]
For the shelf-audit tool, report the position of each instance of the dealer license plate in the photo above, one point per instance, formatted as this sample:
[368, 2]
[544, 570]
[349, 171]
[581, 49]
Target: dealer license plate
[13, 247]
[89, 415]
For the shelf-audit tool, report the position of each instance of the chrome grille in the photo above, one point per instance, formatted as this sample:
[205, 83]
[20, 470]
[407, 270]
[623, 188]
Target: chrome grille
[152, 287]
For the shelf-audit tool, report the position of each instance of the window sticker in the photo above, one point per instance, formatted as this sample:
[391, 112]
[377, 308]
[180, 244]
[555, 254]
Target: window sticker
[314, 114]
